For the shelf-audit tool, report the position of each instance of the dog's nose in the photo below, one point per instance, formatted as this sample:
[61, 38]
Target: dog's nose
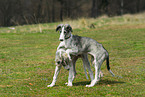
[60, 39]
[58, 62]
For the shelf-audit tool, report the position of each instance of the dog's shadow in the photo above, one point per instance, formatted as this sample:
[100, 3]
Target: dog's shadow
[101, 82]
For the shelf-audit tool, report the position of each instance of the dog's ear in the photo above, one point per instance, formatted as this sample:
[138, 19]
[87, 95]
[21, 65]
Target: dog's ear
[68, 27]
[59, 27]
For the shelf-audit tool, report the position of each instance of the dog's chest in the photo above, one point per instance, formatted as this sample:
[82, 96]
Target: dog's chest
[68, 43]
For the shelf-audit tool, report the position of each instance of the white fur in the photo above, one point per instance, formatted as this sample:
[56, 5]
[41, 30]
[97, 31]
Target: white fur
[57, 69]
[62, 34]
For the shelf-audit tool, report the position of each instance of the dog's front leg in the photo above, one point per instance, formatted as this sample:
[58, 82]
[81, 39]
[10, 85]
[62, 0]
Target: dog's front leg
[68, 54]
[61, 45]
[71, 52]
[57, 69]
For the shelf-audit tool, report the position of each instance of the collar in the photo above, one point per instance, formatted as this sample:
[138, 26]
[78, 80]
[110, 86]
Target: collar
[68, 37]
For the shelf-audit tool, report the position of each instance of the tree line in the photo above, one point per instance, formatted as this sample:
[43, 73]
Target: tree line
[19, 12]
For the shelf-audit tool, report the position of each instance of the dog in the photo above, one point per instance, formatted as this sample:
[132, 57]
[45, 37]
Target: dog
[76, 45]
[61, 59]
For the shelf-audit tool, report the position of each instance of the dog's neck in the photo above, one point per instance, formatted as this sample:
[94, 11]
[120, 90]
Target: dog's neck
[68, 37]
[68, 41]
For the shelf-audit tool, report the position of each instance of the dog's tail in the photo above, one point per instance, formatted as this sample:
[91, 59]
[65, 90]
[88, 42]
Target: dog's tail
[108, 67]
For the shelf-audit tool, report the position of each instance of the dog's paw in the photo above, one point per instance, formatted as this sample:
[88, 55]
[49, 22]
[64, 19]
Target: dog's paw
[68, 54]
[89, 85]
[70, 85]
[51, 85]
[66, 83]
[65, 55]
[92, 83]
[69, 57]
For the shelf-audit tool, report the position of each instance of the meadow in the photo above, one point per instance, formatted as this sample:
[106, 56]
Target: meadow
[27, 56]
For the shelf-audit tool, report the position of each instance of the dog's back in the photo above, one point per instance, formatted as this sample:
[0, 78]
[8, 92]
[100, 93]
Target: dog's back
[86, 44]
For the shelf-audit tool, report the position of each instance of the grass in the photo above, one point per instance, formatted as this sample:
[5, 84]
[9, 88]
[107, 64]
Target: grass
[27, 58]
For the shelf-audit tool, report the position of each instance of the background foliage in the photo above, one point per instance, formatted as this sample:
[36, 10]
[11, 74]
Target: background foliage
[18, 12]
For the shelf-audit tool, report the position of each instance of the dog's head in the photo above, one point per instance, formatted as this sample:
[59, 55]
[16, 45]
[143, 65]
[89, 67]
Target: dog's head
[61, 58]
[65, 31]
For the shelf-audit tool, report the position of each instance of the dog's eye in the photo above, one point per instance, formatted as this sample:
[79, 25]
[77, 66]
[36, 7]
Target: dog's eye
[64, 32]
[58, 62]
[59, 31]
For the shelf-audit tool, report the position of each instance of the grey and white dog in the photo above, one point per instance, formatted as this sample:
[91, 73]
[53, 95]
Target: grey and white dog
[62, 59]
[76, 45]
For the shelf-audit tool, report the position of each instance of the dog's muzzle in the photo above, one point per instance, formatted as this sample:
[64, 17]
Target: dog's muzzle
[60, 39]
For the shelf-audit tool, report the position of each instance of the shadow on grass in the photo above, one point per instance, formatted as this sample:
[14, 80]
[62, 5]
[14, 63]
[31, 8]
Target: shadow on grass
[101, 82]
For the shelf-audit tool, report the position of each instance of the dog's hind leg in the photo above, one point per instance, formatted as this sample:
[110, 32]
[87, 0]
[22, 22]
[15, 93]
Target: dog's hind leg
[101, 74]
[87, 63]
[97, 63]
[93, 82]
[101, 60]
[57, 69]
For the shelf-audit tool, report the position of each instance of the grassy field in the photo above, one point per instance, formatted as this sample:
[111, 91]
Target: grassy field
[27, 56]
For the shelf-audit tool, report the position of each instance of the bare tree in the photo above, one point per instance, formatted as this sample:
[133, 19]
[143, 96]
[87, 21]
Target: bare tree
[94, 9]
[8, 9]
[138, 6]
[15, 12]
[53, 10]
[122, 4]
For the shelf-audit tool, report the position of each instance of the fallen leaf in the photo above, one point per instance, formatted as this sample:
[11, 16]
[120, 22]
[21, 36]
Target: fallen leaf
[30, 84]
[108, 85]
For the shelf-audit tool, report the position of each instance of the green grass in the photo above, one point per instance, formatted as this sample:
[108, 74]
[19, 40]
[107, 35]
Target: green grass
[27, 59]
